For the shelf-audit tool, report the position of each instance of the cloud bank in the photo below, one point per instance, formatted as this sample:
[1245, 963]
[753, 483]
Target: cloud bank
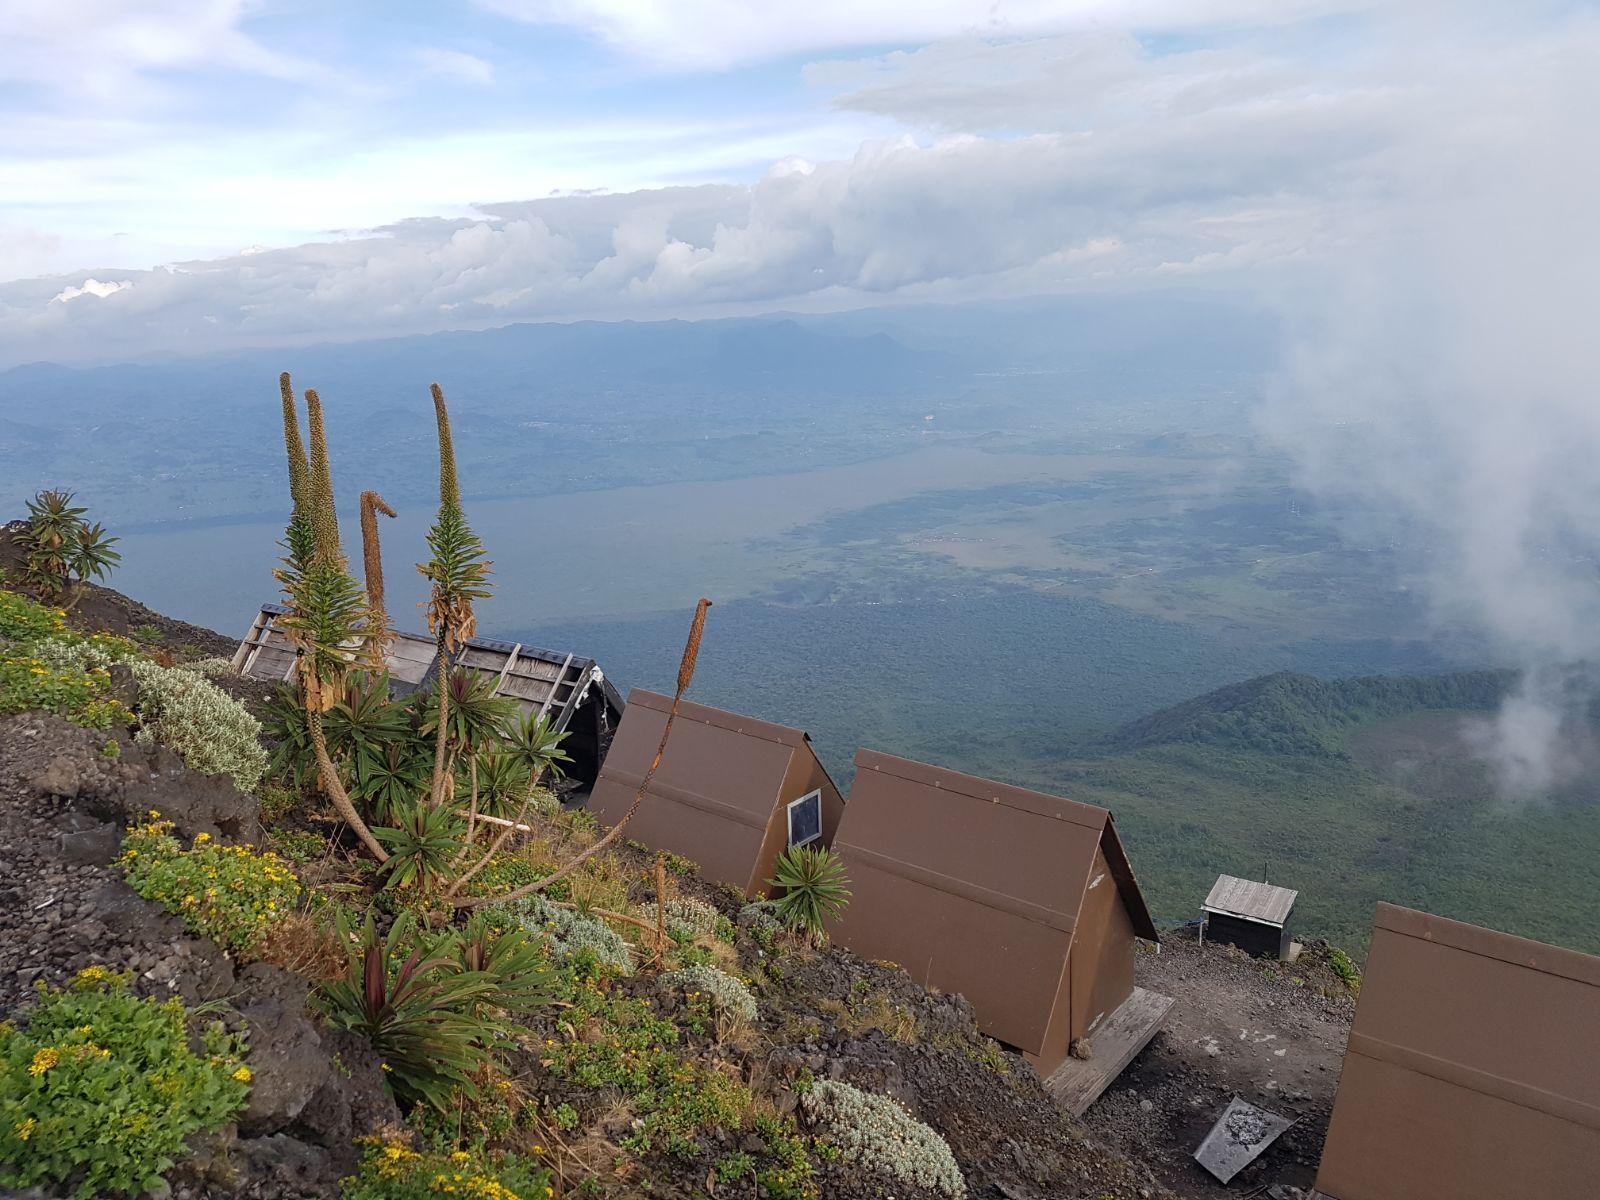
[1025, 167]
[1448, 372]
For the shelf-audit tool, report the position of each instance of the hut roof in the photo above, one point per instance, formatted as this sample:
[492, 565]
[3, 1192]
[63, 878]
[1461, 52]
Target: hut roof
[713, 797]
[1470, 1072]
[1001, 871]
[1234, 897]
[539, 680]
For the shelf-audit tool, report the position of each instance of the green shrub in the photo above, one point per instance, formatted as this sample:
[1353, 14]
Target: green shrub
[24, 620]
[100, 1089]
[28, 684]
[571, 932]
[422, 844]
[877, 1133]
[763, 927]
[230, 894]
[210, 730]
[392, 1170]
[421, 1011]
[727, 995]
[812, 888]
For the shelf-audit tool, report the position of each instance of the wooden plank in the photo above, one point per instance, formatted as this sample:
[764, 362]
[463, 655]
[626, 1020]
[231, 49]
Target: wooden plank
[506, 670]
[551, 695]
[1078, 1083]
[243, 652]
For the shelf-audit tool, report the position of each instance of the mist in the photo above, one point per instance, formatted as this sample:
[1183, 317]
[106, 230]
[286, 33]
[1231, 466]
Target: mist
[1448, 374]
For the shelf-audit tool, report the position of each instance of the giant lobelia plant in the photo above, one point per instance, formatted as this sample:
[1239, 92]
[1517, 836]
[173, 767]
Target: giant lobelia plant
[329, 618]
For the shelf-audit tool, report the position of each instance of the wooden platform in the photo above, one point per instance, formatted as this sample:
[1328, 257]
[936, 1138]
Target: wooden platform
[1077, 1083]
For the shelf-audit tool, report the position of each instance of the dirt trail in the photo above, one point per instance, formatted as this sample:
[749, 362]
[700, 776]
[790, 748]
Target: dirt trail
[1270, 1033]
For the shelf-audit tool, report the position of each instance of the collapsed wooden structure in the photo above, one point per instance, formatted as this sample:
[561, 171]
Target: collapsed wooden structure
[1022, 902]
[1471, 1072]
[571, 692]
[731, 793]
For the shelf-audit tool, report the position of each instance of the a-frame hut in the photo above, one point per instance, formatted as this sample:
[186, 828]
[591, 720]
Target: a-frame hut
[571, 692]
[1024, 903]
[731, 792]
[1473, 1069]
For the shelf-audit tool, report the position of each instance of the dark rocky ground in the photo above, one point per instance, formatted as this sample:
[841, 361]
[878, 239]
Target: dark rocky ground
[63, 907]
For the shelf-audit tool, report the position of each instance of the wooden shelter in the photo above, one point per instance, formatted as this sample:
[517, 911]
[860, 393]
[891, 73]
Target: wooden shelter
[1473, 1069]
[1022, 902]
[731, 793]
[571, 692]
[1252, 916]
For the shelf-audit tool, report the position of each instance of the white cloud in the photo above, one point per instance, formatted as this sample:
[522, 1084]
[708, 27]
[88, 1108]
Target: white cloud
[457, 65]
[90, 287]
[97, 50]
[1040, 165]
[1444, 368]
[698, 34]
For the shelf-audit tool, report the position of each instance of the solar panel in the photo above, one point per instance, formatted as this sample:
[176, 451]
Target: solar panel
[805, 819]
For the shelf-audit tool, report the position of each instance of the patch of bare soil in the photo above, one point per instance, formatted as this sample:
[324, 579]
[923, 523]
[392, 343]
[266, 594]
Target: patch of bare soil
[1271, 1033]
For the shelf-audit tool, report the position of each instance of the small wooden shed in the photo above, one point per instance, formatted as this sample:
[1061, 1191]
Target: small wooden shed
[572, 692]
[1472, 1071]
[1022, 902]
[731, 792]
[1252, 916]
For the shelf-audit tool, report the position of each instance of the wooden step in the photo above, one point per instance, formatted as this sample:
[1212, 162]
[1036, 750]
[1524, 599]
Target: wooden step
[1078, 1083]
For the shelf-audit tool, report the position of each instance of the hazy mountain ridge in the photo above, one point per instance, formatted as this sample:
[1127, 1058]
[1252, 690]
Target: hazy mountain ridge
[1289, 713]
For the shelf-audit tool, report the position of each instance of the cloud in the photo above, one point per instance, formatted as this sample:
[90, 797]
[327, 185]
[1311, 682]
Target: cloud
[457, 65]
[90, 287]
[99, 50]
[716, 34]
[1234, 178]
[1444, 370]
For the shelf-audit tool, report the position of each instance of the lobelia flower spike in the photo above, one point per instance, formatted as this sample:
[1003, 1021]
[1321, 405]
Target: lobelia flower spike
[328, 612]
[299, 468]
[380, 630]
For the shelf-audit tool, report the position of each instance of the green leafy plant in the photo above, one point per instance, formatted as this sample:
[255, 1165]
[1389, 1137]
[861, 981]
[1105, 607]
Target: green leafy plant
[422, 845]
[59, 548]
[230, 894]
[422, 1012]
[812, 890]
[100, 1089]
[514, 959]
[392, 1170]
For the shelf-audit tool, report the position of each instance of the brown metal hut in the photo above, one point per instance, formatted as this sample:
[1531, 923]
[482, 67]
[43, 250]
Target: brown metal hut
[1473, 1069]
[731, 792]
[1022, 902]
[571, 692]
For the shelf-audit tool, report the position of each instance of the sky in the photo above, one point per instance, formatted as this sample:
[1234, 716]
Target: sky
[1411, 184]
[192, 175]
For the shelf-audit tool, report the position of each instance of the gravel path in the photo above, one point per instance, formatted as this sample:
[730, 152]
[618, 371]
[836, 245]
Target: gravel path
[1270, 1033]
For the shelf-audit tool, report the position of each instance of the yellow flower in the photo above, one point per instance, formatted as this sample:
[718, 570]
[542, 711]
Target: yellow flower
[43, 1060]
[242, 1074]
[201, 837]
[26, 1128]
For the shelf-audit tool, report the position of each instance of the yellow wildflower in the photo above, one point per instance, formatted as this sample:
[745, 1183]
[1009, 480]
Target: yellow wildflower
[201, 837]
[242, 1074]
[43, 1060]
[25, 1129]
